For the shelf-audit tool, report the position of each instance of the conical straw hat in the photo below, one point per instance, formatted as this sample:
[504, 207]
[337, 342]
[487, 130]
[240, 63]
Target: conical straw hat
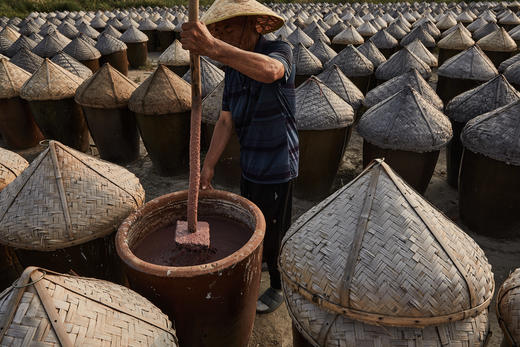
[376, 251]
[266, 19]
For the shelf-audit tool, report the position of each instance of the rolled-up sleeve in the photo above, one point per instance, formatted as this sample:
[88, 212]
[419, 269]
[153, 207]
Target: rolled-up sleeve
[282, 52]
[225, 98]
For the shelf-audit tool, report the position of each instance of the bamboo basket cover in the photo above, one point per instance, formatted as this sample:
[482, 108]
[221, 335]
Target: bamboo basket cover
[161, 93]
[12, 79]
[27, 60]
[298, 36]
[349, 36]
[318, 34]
[81, 50]
[508, 62]
[471, 64]
[45, 308]
[383, 40]
[165, 25]
[210, 76]
[72, 65]
[322, 51]
[133, 35]
[418, 33]
[107, 44]
[68, 30]
[175, 55]
[456, 40]
[369, 50]
[98, 23]
[147, 24]
[305, 62]
[366, 29]
[110, 30]
[377, 252]
[319, 108]
[447, 21]
[51, 44]
[87, 30]
[352, 62]
[336, 80]
[65, 198]
[11, 166]
[485, 30]
[323, 328]
[487, 97]
[107, 88]
[508, 308]
[497, 41]
[212, 104]
[401, 62]
[336, 29]
[23, 41]
[418, 48]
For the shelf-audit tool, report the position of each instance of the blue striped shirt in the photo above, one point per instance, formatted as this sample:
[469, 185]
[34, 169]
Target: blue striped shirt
[264, 119]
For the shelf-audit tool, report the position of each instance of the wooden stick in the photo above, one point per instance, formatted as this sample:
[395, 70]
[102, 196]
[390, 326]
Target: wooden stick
[196, 115]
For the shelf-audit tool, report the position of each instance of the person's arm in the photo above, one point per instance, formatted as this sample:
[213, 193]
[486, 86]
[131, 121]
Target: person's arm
[196, 38]
[219, 140]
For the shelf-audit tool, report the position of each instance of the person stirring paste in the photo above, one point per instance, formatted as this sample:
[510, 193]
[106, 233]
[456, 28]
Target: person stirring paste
[259, 100]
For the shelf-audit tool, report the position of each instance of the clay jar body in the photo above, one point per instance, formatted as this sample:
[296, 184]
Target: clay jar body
[489, 195]
[92, 64]
[415, 168]
[320, 154]
[118, 60]
[165, 38]
[448, 88]
[17, 125]
[137, 54]
[62, 120]
[212, 304]
[454, 154]
[179, 70]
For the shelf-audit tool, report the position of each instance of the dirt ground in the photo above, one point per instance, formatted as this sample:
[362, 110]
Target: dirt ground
[275, 329]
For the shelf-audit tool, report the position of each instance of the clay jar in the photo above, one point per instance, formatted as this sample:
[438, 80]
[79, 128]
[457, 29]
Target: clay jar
[113, 51]
[165, 34]
[162, 104]
[454, 43]
[17, 125]
[213, 304]
[104, 99]
[498, 46]
[137, 46]
[323, 119]
[408, 132]
[50, 93]
[149, 28]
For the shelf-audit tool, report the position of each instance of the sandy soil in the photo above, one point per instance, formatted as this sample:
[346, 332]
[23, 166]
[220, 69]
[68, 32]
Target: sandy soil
[275, 329]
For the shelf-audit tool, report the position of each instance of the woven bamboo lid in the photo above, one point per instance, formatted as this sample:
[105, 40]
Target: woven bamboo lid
[495, 134]
[400, 63]
[11, 166]
[418, 33]
[98, 23]
[485, 30]
[383, 40]
[457, 40]
[318, 34]
[81, 50]
[210, 76]
[212, 104]
[68, 30]
[508, 308]
[484, 98]
[162, 92]
[336, 80]
[497, 41]
[447, 21]
[66, 198]
[298, 36]
[352, 62]
[50, 82]
[107, 88]
[46, 308]
[396, 84]
[175, 55]
[397, 31]
[366, 29]
[27, 60]
[477, 24]
[349, 36]
[165, 25]
[376, 251]
[87, 39]
[417, 48]
[510, 19]
[51, 44]
[107, 44]
[133, 35]
[336, 29]
[305, 62]
[5, 44]
[23, 41]
[12, 79]
[147, 24]
[319, 108]
[110, 30]
[369, 50]
[322, 51]
[72, 65]
[471, 64]
[406, 121]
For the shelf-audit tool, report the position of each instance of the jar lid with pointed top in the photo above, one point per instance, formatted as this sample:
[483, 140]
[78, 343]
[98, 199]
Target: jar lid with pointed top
[336, 80]
[72, 65]
[12, 79]
[471, 64]
[401, 62]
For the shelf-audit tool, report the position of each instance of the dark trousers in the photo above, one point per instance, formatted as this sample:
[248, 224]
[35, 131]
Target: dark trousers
[275, 202]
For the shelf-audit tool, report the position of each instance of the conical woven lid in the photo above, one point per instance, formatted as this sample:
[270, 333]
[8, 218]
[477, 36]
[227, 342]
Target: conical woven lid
[352, 62]
[165, 25]
[472, 64]
[406, 121]
[508, 62]
[376, 251]
[336, 29]
[162, 92]
[306, 63]
[383, 40]
[48, 308]
[110, 30]
[50, 82]
[210, 76]
[485, 30]
[23, 41]
[349, 36]
[133, 35]
[366, 29]
[495, 134]
[369, 50]
[322, 51]
[115, 24]
[417, 48]
[497, 41]
[10, 33]
[212, 104]
[68, 30]
[298, 36]
[319, 108]
[465, 17]
[396, 84]
[341, 85]
[418, 34]
[147, 24]
[84, 199]
[396, 31]
[81, 50]
[108, 44]
[318, 34]
[98, 23]
[50, 45]
[400, 63]
[107, 88]
[12, 79]
[87, 30]
[507, 304]
[479, 23]
[27, 60]
[457, 40]
[5, 44]
[11, 166]
[484, 98]
[447, 21]
[175, 55]
[510, 19]
[72, 65]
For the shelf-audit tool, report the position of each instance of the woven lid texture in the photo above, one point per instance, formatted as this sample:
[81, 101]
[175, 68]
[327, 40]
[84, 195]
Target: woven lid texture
[405, 121]
[471, 64]
[349, 36]
[417, 48]
[457, 40]
[50, 45]
[108, 44]
[133, 35]
[497, 41]
[383, 40]
[47, 308]
[336, 80]
[212, 104]
[376, 251]
[322, 51]
[508, 62]
[72, 65]
[401, 62]
[110, 30]
[27, 60]
[305, 62]
[352, 62]
[210, 76]
[12, 79]
[369, 50]
[508, 308]
[175, 55]
[65, 198]
[107, 88]
[11, 166]
[298, 36]
[23, 41]
[81, 50]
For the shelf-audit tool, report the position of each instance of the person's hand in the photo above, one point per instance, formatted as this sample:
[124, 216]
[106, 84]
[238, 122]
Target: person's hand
[206, 176]
[196, 38]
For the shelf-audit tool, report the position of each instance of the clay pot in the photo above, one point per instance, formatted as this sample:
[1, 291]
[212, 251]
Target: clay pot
[17, 124]
[137, 54]
[448, 88]
[165, 39]
[489, 195]
[152, 39]
[118, 60]
[213, 304]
